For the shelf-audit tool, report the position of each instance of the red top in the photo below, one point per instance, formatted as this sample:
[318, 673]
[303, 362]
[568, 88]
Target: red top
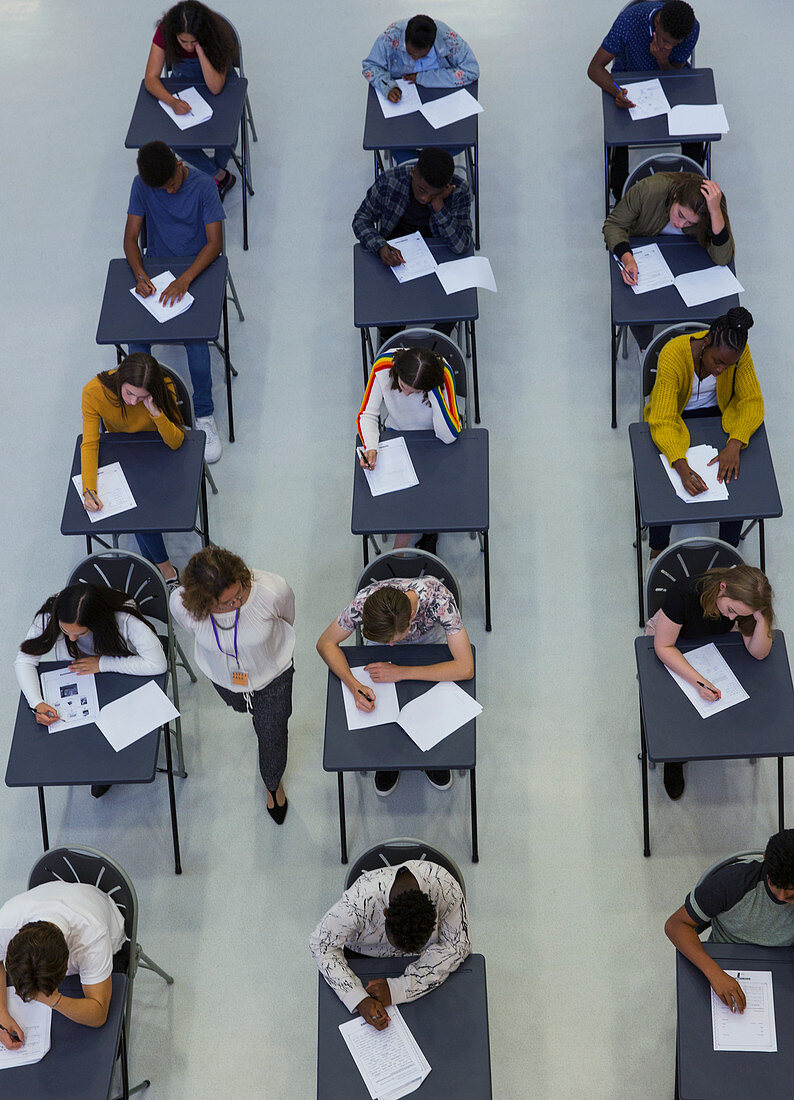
[159, 40]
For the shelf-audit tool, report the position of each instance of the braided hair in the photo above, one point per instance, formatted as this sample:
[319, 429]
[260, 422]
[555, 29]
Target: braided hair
[730, 330]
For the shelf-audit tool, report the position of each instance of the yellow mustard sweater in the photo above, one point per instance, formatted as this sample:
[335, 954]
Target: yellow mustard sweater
[100, 405]
[738, 396]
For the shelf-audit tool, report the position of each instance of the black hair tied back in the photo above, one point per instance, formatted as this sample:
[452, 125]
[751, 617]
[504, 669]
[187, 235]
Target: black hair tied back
[731, 329]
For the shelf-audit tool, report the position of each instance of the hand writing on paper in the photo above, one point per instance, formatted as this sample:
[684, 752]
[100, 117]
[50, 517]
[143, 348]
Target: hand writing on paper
[392, 257]
[622, 100]
[728, 458]
[91, 501]
[692, 482]
[373, 1012]
[83, 665]
[144, 287]
[729, 991]
[395, 95]
[11, 1028]
[175, 291]
[378, 989]
[630, 271]
[179, 106]
[364, 697]
[437, 202]
[45, 714]
[709, 693]
[384, 672]
[371, 458]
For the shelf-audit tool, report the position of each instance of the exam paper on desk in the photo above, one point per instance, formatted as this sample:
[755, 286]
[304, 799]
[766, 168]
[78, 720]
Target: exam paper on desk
[390, 1061]
[697, 118]
[698, 459]
[753, 1029]
[418, 259]
[35, 1019]
[437, 713]
[712, 666]
[707, 285]
[135, 714]
[408, 102]
[159, 310]
[386, 709]
[450, 108]
[200, 110]
[113, 490]
[74, 697]
[394, 469]
[464, 274]
[653, 272]
[648, 98]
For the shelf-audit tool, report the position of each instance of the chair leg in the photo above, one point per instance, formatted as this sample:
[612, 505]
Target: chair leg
[178, 722]
[210, 479]
[250, 115]
[183, 661]
[149, 964]
[625, 341]
[375, 546]
[233, 292]
[747, 530]
[217, 344]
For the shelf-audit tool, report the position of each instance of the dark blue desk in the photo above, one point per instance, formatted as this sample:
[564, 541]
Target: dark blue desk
[705, 1074]
[379, 300]
[450, 1024]
[682, 86]
[452, 494]
[753, 495]
[83, 756]
[660, 307]
[671, 728]
[79, 1064]
[388, 747]
[168, 487]
[150, 122]
[415, 132]
[123, 320]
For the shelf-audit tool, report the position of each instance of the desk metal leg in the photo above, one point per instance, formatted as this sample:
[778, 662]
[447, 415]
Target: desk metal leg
[88, 544]
[638, 544]
[364, 360]
[486, 550]
[45, 836]
[125, 1072]
[606, 180]
[473, 165]
[614, 332]
[475, 844]
[646, 824]
[169, 763]
[205, 519]
[708, 160]
[762, 545]
[365, 543]
[244, 181]
[340, 779]
[781, 809]
[227, 365]
[475, 376]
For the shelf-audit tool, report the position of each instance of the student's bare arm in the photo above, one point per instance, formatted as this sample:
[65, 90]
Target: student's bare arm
[759, 643]
[680, 930]
[461, 667]
[132, 230]
[665, 648]
[212, 78]
[155, 86]
[328, 647]
[91, 1009]
[597, 71]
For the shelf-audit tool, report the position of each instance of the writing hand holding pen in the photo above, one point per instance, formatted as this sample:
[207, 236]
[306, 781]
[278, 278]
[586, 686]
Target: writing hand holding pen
[367, 459]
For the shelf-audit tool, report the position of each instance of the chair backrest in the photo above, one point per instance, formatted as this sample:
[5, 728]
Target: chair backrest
[407, 563]
[184, 398]
[737, 857]
[687, 558]
[130, 573]
[650, 357]
[444, 346]
[662, 162]
[398, 850]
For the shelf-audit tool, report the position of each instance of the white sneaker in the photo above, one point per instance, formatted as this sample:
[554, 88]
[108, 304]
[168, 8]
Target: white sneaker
[213, 446]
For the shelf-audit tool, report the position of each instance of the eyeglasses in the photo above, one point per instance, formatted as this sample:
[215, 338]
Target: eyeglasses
[228, 604]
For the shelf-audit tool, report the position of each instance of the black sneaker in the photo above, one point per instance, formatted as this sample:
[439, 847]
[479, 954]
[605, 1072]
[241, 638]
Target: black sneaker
[98, 789]
[441, 780]
[385, 782]
[428, 542]
[674, 780]
[226, 184]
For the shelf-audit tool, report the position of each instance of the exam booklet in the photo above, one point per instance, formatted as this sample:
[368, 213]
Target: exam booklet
[712, 666]
[159, 310]
[35, 1019]
[418, 260]
[123, 721]
[200, 110]
[113, 490]
[698, 458]
[753, 1029]
[707, 284]
[390, 1061]
[394, 469]
[74, 697]
[428, 719]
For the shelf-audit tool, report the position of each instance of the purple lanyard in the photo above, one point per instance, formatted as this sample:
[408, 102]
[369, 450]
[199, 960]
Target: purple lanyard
[218, 641]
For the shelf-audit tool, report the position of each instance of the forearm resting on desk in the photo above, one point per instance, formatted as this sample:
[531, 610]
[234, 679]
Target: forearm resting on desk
[91, 1009]
[681, 932]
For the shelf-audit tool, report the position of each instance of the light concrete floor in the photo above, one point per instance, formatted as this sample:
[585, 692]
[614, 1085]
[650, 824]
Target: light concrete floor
[565, 909]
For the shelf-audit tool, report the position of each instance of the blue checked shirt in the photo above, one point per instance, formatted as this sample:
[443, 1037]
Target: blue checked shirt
[386, 202]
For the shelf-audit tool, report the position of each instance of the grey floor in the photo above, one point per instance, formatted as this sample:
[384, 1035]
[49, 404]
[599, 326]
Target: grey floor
[565, 909]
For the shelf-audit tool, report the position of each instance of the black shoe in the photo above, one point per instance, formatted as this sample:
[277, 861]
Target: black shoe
[385, 782]
[441, 780]
[428, 542]
[226, 184]
[278, 813]
[98, 789]
[674, 780]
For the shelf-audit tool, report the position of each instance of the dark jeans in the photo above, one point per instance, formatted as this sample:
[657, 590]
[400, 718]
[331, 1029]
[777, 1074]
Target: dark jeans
[730, 531]
[619, 164]
[270, 708]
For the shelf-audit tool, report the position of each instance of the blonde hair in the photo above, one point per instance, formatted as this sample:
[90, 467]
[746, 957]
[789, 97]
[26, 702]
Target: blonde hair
[744, 583]
[386, 613]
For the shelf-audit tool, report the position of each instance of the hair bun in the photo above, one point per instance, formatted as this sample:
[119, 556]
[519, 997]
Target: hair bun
[740, 318]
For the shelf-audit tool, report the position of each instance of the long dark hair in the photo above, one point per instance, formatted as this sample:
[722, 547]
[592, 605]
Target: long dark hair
[685, 189]
[89, 606]
[143, 371]
[419, 368]
[210, 30]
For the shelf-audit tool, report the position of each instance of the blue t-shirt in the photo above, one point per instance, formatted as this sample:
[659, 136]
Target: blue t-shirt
[629, 39]
[175, 223]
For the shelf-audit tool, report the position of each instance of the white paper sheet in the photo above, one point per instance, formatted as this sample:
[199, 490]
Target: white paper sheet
[462, 274]
[200, 109]
[648, 98]
[419, 260]
[653, 271]
[131, 717]
[112, 489]
[698, 459]
[753, 1029]
[437, 713]
[35, 1019]
[406, 105]
[159, 310]
[712, 666]
[697, 118]
[73, 696]
[390, 1061]
[707, 284]
[386, 706]
[394, 469]
[450, 108]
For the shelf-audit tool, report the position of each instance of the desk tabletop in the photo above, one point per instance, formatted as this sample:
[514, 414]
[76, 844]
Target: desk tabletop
[706, 1074]
[165, 484]
[754, 494]
[150, 122]
[389, 746]
[378, 299]
[759, 726]
[666, 306]
[122, 319]
[414, 131]
[681, 86]
[450, 1024]
[452, 494]
[83, 755]
[79, 1064]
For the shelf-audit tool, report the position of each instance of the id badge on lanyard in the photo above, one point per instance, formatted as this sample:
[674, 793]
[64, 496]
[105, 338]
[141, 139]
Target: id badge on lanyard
[239, 678]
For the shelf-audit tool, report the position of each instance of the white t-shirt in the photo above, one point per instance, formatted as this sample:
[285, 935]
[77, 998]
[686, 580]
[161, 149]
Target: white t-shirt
[704, 393]
[90, 920]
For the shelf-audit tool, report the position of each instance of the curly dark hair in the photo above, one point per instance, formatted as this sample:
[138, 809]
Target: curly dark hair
[410, 920]
[210, 30]
[677, 18]
[36, 959]
[779, 859]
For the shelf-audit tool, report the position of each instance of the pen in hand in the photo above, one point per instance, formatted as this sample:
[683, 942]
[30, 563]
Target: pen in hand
[92, 494]
[179, 97]
[363, 456]
[12, 1034]
[706, 686]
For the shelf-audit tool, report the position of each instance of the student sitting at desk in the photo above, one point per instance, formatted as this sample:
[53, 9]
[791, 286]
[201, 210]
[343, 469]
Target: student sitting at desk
[719, 601]
[197, 44]
[414, 909]
[418, 390]
[136, 397]
[645, 37]
[404, 609]
[55, 929]
[100, 630]
[707, 374]
[419, 51]
[183, 217]
[748, 901]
